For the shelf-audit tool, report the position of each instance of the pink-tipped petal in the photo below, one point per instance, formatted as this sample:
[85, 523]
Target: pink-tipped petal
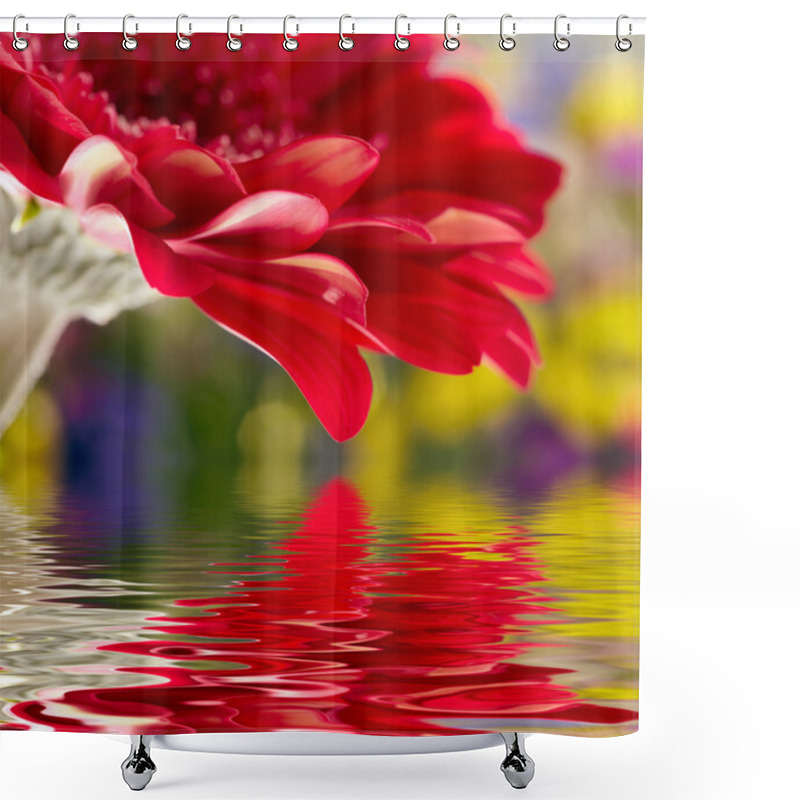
[382, 234]
[108, 225]
[317, 276]
[515, 352]
[263, 226]
[324, 277]
[165, 270]
[426, 204]
[506, 265]
[99, 172]
[358, 227]
[311, 345]
[328, 167]
[193, 183]
[457, 227]
[524, 180]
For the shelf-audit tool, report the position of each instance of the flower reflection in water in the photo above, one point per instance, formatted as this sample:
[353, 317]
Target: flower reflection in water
[337, 629]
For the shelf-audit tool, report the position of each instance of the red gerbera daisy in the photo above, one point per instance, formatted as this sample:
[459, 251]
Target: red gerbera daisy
[314, 203]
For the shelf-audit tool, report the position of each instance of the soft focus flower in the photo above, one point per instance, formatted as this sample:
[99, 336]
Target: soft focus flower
[605, 110]
[314, 204]
[50, 275]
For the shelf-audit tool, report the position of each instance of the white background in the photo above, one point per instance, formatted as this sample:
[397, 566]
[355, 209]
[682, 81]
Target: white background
[721, 530]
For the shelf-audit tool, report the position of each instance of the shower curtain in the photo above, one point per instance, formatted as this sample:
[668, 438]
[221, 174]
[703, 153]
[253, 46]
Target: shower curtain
[320, 385]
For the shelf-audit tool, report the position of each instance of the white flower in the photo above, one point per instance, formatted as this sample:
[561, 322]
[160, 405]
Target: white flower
[52, 273]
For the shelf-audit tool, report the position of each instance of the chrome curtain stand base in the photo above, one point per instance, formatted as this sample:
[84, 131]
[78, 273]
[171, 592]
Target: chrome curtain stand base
[518, 767]
[138, 768]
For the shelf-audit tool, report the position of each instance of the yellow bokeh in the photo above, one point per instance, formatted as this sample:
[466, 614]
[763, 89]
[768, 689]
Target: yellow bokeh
[606, 103]
[30, 450]
[590, 381]
[448, 406]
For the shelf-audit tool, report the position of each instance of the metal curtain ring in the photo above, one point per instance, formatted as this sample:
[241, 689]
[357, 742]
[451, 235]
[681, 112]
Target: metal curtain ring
[19, 43]
[451, 42]
[129, 42]
[182, 42]
[400, 42]
[234, 44]
[345, 42]
[507, 42]
[70, 42]
[561, 43]
[623, 45]
[289, 43]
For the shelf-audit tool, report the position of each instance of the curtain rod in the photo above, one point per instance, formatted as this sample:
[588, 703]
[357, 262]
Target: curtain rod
[407, 26]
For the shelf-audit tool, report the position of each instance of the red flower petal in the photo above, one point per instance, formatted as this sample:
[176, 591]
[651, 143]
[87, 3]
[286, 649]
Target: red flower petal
[375, 231]
[333, 280]
[425, 204]
[99, 172]
[329, 167]
[308, 342]
[506, 265]
[511, 176]
[458, 227]
[465, 151]
[427, 318]
[190, 181]
[421, 333]
[318, 276]
[261, 226]
[165, 270]
[17, 158]
[32, 103]
[514, 352]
